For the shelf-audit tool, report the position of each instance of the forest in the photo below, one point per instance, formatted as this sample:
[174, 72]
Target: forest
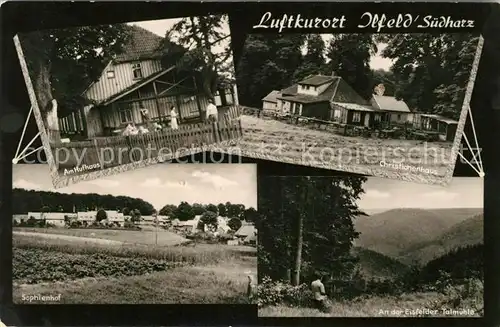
[429, 72]
[24, 201]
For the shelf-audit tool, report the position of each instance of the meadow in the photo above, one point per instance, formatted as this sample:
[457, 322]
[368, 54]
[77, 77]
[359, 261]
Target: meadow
[126, 271]
[280, 141]
[419, 304]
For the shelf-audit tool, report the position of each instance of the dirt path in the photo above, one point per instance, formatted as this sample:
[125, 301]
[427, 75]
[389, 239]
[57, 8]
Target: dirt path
[69, 238]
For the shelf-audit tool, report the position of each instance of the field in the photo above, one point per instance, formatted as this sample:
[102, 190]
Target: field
[93, 271]
[409, 305]
[165, 238]
[278, 141]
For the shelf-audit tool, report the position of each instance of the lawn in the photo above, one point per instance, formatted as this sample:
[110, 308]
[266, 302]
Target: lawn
[279, 141]
[163, 237]
[100, 273]
[407, 305]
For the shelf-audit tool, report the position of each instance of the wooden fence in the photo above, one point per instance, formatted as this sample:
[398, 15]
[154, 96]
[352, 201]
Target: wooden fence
[119, 150]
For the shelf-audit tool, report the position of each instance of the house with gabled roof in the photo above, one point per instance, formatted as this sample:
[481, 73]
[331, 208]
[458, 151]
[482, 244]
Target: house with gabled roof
[270, 102]
[397, 110]
[331, 98]
[136, 88]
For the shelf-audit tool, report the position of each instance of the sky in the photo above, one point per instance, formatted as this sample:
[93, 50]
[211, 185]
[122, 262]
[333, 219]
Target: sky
[159, 184]
[462, 192]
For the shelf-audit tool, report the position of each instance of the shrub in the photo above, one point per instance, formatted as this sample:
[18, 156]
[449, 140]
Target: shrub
[277, 292]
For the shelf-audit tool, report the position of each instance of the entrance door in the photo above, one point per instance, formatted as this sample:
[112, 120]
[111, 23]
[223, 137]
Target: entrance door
[367, 120]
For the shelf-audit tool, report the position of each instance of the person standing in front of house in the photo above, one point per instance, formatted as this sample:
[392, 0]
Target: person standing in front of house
[173, 118]
[211, 112]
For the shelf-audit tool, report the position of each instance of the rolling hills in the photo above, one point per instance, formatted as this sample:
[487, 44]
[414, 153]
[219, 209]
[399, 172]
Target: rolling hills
[392, 240]
[395, 232]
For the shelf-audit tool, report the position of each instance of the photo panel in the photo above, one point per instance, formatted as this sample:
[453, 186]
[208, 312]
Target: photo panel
[115, 97]
[386, 105]
[169, 234]
[370, 247]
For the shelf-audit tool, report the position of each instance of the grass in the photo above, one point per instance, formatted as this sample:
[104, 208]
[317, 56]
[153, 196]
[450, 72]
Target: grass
[209, 273]
[165, 238]
[406, 305]
[279, 141]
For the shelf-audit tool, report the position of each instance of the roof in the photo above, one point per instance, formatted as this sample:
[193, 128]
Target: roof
[441, 118]
[338, 91]
[272, 97]
[142, 44]
[389, 103]
[135, 86]
[246, 230]
[354, 106]
[316, 80]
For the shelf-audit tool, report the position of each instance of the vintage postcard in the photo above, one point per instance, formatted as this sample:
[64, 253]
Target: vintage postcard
[168, 234]
[110, 98]
[370, 247]
[388, 105]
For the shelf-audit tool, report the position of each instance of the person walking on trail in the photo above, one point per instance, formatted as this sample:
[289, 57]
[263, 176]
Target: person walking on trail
[173, 118]
[319, 294]
[212, 113]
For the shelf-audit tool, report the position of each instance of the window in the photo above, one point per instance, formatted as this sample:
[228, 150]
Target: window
[356, 117]
[377, 117]
[399, 117]
[110, 74]
[137, 71]
[125, 113]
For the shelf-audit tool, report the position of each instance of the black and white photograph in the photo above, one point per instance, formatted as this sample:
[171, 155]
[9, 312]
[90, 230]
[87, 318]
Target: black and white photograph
[130, 94]
[387, 105]
[369, 247]
[169, 234]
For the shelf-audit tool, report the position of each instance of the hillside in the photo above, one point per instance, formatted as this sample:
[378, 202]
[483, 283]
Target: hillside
[467, 232]
[395, 232]
[374, 264]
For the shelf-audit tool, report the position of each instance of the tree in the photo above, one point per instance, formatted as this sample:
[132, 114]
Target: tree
[184, 212]
[221, 209]
[234, 224]
[101, 215]
[126, 211]
[431, 71]
[313, 61]
[386, 78]
[168, 210]
[63, 62]
[307, 223]
[349, 56]
[268, 62]
[212, 208]
[198, 209]
[250, 214]
[208, 219]
[135, 216]
[200, 36]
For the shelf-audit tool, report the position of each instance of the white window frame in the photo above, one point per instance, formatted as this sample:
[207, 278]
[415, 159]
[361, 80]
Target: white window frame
[110, 74]
[137, 67]
[125, 110]
[356, 117]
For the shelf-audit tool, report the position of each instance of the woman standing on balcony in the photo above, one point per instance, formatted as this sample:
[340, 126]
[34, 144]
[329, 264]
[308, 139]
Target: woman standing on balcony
[173, 118]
